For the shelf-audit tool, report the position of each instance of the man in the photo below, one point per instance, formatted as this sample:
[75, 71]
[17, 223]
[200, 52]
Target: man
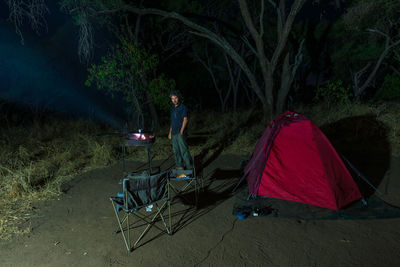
[177, 132]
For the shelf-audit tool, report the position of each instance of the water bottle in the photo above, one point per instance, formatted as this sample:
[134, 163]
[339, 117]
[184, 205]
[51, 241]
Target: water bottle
[149, 208]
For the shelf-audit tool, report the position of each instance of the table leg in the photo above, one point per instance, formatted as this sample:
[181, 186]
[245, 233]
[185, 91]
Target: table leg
[149, 158]
[123, 158]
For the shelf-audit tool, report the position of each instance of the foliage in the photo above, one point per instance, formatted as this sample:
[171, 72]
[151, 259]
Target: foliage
[361, 37]
[160, 87]
[364, 14]
[390, 88]
[129, 69]
[321, 29]
[334, 93]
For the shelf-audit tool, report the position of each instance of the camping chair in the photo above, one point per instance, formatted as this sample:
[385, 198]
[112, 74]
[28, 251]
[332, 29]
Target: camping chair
[143, 192]
[190, 178]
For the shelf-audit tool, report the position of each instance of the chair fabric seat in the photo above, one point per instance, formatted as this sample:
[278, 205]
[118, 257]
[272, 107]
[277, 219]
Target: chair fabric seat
[143, 191]
[174, 173]
[138, 192]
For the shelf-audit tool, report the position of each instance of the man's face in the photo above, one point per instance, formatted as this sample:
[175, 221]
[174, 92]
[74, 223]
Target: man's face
[175, 100]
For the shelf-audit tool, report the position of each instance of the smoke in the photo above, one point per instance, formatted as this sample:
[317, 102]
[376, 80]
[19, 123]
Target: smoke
[33, 78]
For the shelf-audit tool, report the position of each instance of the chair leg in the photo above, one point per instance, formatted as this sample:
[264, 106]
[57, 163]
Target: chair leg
[121, 228]
[128, 228]
[169, 217]
[150, 223]
[163, 220]
[196, 197]
[169, 206]
[179, 191]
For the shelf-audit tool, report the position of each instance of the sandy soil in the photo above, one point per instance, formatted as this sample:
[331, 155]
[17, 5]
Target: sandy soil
[77, 230]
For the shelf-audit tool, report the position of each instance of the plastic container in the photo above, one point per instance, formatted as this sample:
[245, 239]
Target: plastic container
[241, 215]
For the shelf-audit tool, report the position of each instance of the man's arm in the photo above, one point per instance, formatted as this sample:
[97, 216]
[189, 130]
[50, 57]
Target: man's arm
[184, 123]
[170, 132]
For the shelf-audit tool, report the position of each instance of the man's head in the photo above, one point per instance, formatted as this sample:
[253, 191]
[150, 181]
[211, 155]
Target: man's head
[174, 98]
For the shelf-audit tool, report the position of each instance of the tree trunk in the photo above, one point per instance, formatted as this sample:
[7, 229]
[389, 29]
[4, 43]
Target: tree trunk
[234, 79]
[285, 85]
[153, 113]
[268, 114]
[138, 119]
[287, 77]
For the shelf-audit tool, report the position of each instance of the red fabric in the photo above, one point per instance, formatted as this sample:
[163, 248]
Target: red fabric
[344, 189]
[303, 166]
[256, 165]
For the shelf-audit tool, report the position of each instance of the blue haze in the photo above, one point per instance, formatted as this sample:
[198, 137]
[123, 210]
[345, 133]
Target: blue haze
[46, 73]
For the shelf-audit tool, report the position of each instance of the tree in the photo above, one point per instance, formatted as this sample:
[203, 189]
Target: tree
[225, 75]
[271, 96]
[217, 74]
[277, 60]
[130, 70]
[370, 32]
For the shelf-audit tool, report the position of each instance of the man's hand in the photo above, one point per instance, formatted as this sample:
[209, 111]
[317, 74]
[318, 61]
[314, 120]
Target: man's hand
[184, 123]
[169, 136]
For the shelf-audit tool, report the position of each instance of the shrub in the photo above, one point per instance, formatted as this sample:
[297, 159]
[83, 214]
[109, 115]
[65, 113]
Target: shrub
[390, 88]
[334, 93]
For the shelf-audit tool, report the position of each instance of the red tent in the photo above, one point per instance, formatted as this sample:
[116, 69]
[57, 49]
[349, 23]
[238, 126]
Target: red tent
[293, 160]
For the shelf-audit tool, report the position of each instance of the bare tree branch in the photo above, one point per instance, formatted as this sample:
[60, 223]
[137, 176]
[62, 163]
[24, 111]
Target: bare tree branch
[358, 90]
[272, 3]
[297, 5]
[262, 19]
[357, 75]
[173, 40]
[32, 10]
[395, 70]
[208, 66]
[252, 49]
[85, 44]
[263, 61]
[298, 59]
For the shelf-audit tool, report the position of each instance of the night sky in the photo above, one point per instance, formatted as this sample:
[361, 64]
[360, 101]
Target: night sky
[45, 72]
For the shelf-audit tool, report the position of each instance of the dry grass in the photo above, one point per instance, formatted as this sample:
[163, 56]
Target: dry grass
[387, 113]
[217, 128]
[246, 141]
[37, 158]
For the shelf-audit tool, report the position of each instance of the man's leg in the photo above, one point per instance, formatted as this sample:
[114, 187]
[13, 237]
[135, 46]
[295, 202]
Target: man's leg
[176, 149]
[184, 150]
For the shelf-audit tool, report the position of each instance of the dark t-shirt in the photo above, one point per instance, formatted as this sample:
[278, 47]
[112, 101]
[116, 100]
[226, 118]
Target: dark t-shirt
[177, 115]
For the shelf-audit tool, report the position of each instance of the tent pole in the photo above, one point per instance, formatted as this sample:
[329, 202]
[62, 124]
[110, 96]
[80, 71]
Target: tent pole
[360, 175]
[239, 183]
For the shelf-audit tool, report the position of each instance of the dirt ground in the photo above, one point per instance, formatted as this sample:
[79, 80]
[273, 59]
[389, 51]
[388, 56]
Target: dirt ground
[77, 230]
